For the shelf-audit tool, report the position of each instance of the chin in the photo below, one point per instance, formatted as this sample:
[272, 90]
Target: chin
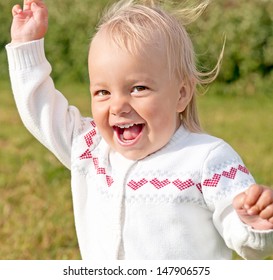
[133, 155]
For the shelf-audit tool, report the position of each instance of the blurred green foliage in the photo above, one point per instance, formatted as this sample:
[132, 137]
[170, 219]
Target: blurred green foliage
[71, 25]
[248, 60]
[247, 25]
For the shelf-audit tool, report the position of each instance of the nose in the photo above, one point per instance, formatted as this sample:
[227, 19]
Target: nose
[120, 105]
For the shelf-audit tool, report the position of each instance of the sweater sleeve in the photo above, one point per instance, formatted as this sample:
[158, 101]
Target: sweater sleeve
[44, 110]
[224, 176]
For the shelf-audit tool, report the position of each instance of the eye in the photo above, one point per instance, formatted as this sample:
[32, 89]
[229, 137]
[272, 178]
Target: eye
[102, 92]
[137, 89]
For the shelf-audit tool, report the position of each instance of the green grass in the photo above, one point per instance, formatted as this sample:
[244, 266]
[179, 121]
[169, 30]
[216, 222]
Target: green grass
[36, 216]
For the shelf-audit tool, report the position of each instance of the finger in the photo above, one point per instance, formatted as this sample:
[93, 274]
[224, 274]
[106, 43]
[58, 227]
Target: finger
[252, 195]
[270, 220]
[40, 12]
[16, 10]
[267, 213]
[265, 199]
[37, 4]
[26, 5]
[239, 201]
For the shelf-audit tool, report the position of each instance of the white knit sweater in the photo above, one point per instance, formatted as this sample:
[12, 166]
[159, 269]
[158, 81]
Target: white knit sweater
[174, 204]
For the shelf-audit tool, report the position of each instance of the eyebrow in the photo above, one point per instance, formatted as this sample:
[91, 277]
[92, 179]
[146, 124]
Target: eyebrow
[103, 84]
[140, 79]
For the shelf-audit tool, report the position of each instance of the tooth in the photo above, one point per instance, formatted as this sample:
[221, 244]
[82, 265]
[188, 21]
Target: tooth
[125, 125]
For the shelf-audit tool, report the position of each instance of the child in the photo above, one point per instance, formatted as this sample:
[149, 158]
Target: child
[146, 182]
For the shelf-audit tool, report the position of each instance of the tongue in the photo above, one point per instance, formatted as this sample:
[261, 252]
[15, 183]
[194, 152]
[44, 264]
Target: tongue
[131, 132]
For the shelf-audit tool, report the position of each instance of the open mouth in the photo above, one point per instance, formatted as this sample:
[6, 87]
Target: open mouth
[128, 133]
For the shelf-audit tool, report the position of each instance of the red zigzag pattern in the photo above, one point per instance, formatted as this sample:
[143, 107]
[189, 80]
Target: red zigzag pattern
[88, 155]
[158, 184]
[182, 185]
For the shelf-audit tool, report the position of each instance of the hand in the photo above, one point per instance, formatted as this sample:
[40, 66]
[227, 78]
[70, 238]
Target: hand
[29, 23]
[255, 207]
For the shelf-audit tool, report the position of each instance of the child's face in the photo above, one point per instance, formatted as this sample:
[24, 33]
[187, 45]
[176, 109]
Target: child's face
[135, 103]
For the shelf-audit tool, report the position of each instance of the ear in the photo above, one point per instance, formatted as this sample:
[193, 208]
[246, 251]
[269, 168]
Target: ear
[185, 95]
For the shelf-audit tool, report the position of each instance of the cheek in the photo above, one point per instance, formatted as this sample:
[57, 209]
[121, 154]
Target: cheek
[93, 107]
[160, 119]
[99, 114]
[161, 110]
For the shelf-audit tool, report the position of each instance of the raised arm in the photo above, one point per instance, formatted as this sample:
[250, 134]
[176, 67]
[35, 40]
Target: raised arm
[43, 109]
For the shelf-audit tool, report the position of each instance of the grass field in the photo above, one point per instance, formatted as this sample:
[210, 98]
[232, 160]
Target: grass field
[36, 220]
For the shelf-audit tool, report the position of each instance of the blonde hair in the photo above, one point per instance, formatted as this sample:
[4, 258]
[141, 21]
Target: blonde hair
[130, 24]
